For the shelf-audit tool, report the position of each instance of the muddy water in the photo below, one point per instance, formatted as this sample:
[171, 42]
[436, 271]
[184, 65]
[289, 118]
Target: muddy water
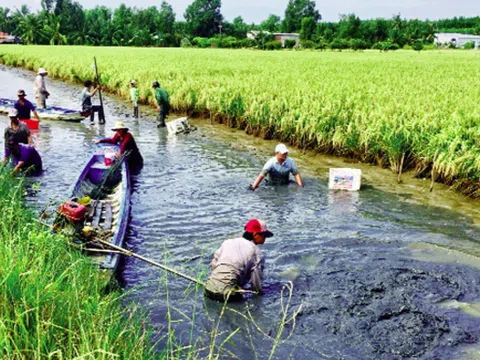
[390, 272]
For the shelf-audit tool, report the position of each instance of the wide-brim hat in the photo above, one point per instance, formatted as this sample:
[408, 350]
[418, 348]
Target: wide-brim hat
[42, 71]
[21, 92]
[119, 125]
[258, 226]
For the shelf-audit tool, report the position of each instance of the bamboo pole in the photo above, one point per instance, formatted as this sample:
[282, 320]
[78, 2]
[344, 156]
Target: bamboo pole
[122, 251]
[399, 179]
[99, 90]
[151, 262]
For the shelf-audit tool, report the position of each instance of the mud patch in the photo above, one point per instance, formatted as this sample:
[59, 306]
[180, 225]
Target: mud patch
[388, 309]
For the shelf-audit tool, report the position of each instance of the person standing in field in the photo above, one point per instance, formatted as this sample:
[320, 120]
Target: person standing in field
[134, 94]
[87, 108]
[279, 168]
[24, 107]
[162, 102]
[40, 90]
[237, 262]
[17, 129]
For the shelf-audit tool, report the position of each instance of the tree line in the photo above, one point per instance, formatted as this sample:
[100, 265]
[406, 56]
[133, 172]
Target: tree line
[62, 22]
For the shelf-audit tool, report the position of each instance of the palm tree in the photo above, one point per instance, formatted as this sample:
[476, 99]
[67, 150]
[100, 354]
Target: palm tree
[31, 29]
[52, 30]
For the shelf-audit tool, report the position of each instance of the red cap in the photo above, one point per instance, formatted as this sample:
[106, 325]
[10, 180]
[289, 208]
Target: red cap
[258, 226]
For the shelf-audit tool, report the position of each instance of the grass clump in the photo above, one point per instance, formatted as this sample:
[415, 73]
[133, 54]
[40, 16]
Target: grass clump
[53, 302]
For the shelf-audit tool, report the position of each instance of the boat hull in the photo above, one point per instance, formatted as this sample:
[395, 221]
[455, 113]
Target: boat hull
[50, 113]
[119, 205]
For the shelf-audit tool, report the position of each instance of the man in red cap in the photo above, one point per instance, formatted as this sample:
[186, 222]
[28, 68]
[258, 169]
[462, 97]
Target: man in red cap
[237, 262]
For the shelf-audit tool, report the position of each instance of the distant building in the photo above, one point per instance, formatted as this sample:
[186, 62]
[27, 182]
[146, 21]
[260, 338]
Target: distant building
[442, 39]
[278, 36]
[287, 36]
[9, 39]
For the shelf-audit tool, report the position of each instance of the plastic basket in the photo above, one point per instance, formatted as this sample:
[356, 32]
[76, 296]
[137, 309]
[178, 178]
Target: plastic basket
[31, 123]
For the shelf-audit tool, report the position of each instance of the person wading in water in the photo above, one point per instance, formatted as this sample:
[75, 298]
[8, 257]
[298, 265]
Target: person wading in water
[25, 157]
[24, 107]
[237, 262]
[17, 129]
[40, 89]
[279, 168]
[127, 144]
[87, 108]
[162, 102]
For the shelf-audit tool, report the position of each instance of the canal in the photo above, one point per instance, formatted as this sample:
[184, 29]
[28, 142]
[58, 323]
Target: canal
[390, 272]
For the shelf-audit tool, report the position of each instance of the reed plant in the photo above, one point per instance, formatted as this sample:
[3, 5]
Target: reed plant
[395, 109]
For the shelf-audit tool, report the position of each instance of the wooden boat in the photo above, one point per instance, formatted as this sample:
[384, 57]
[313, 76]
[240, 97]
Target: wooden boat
[106, 215]
[50, 113]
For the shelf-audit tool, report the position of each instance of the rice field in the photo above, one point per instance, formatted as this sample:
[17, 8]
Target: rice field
[403, 110]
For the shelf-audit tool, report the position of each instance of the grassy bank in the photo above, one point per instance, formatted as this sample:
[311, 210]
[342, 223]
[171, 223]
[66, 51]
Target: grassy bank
[402, 110]
[53, 302]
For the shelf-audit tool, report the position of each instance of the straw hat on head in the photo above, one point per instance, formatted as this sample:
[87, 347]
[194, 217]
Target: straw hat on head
[42, 71]
[133, 82]
[119, 125]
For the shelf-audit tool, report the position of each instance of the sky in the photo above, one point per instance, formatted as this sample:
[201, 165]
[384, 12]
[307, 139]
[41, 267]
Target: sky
[258, 10]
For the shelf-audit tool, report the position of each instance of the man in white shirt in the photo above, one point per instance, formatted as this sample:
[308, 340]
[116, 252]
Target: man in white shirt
[279, 168]
[237, 262]
[40, 90]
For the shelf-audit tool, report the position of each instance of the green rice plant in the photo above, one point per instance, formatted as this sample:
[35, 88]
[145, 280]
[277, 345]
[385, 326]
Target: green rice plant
[373, 106]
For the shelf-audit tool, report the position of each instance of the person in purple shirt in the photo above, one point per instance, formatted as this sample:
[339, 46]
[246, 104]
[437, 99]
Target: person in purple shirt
[24, 156]
[24, 107]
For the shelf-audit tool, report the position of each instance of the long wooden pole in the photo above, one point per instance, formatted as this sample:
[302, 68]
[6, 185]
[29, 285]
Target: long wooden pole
[132, 254]
[99, 90]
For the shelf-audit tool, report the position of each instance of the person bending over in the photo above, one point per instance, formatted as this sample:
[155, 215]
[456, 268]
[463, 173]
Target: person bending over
[238, 262]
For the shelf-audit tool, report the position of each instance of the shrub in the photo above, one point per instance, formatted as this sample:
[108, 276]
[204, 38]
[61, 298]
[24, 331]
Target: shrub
[339, 44]
[385, 46]
[228, 42]
[358, 44]
[308, 44]
[246, 43]
[273, 45]
[185, 43]
[201, 42]
[469, 45]
[290, 44]
[417, 45]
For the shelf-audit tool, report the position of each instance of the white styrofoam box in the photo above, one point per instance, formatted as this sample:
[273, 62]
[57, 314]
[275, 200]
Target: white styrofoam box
[178, 125]
[345, 179]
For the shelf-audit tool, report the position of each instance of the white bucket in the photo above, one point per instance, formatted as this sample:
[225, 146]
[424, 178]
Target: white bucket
[345, 179]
